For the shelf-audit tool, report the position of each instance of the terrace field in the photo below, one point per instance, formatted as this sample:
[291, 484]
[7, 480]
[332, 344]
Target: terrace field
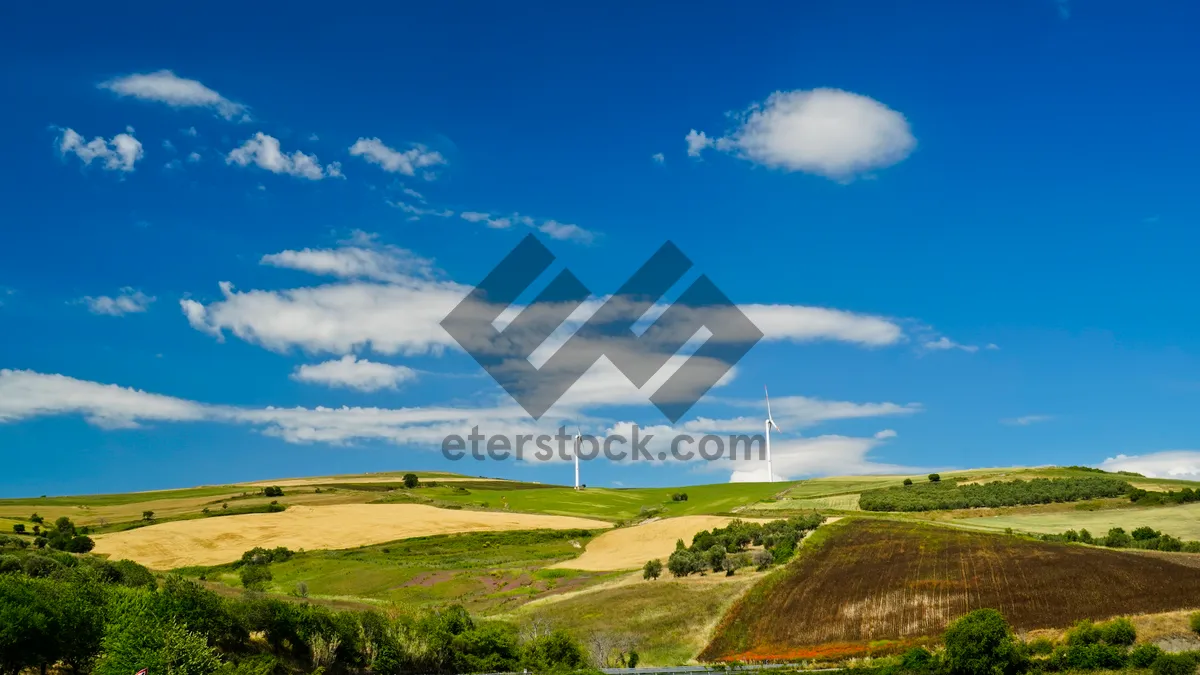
[865, 585]
[1182, 521]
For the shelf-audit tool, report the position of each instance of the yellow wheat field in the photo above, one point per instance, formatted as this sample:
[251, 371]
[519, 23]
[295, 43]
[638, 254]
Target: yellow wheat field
[630, 547]
[212, 541]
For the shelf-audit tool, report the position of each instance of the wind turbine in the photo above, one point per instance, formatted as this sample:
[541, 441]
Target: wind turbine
[767, 424]
[578, 442]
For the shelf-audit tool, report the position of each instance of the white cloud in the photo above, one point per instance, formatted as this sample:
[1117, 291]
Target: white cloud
[193, 157]
[190, 131]
[697, 141]
[353, 373]
[119, 153]
[400, 318]
[801, 324]
[395, 161]
[358, 258]
[417, 212]
[830, 455]
[414, 194]
[128, 301]
[944, 344]
[496, 223]
[263, 151]
[165, 86]
[1026, 420]
[828, 132]
[885, 434]
[658, 158]
[565, 232]
[1184, 464]
[25, 394]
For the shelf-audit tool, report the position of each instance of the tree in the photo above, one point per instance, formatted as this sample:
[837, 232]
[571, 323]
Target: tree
[411, 481]
[556, 651]
[734, 562]
[1117, 538]
[715, 557]
[935, 478]
[982, 643]
[35, 518]
[255, 577]
[147, 516]
[763, 559]
[652, 569]
[908, 481]
[273, 491]
[19, 528]
[683, 562]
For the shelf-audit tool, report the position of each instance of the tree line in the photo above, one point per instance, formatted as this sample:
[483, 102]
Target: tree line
[1145, 538]
[86, 614]
[725, 549]
[945, 495]
[983, 643]
[1156, 498]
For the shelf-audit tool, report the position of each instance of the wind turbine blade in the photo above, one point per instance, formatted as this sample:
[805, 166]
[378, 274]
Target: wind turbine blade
[768, 395]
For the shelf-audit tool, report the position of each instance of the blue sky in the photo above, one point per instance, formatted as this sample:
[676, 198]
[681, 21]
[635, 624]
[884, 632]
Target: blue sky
[968, 229]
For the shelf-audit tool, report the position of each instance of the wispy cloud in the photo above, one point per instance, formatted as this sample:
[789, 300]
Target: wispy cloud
[128, 301]
[1026, 420]
[164, 86]
[120, 153]
[264, 152]
[405, 162]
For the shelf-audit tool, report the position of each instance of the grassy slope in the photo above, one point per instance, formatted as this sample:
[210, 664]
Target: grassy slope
[486, 572]
[609, 504]
[1182, 521]
[869, 580]
[667, 620]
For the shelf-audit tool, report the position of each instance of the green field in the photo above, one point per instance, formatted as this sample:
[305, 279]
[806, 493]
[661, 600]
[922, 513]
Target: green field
[833, 503]
[602, 503]
[486, 572]
[667, 621]
[1181, 521]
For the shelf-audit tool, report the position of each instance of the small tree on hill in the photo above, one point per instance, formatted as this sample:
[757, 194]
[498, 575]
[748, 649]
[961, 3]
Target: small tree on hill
[273, 491]
[982, 643]
[715, 557]
[652, 569]
[411, 481]
[907, 481]
[19, 528]
[935, 478]
[147, 516]
[35, 518]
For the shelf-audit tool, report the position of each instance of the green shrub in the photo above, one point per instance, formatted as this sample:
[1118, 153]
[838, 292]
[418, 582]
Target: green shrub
[1118, 632]
[1095, 656]
[653, 569]
[1040, 646]
[255, 576]
[1174, 664]
[1143, 656]
[982, 643]
[916, 660]
[1194, 622]
[1083, 633]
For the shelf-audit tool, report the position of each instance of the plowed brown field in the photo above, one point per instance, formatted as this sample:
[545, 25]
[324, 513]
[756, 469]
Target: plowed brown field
[869, 581]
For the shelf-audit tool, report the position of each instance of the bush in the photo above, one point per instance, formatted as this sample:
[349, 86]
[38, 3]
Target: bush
[1143, 656]
[273, 491]
[1118, 632]
[1040, 646]
[982, 643]
[1174, 664]
[411, 481]
[916, 660]
[19, 528]
[652, 569]
[255, 577]
[908, 481]
[1194, 622]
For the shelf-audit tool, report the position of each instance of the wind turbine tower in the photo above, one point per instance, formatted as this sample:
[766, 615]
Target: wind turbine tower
[578, 442]
[767, 424]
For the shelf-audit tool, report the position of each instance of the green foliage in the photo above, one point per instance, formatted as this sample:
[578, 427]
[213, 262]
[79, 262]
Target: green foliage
[265, 556]
[711, 549]
[917, 660]
[632, 660]
[273, 491]
[64, 537]
[935, 478]
[19, 528]
[1194, 622]
[982, 643]
[137, 637]
[411, 481]
[1174, 664]
[1156, 498]
[938, 495]
[1040, 646]
[255, 576]
[908, 481]
[1117, 538]
[679, 497]
[714, 557]
[1144, 656]
[683, 562]
[555, 652]
[652, 569]
[148, 516]
[1119, 632]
